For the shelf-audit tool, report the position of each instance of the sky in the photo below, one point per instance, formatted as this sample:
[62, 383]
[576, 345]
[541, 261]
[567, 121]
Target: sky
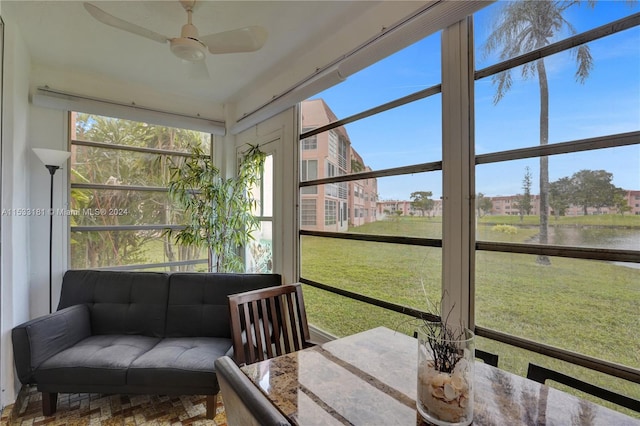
[608, 102]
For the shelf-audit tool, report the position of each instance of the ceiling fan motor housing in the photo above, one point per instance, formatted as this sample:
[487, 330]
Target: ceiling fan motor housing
[188, 47]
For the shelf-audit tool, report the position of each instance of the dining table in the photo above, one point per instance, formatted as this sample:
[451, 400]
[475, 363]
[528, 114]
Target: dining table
[370, 378]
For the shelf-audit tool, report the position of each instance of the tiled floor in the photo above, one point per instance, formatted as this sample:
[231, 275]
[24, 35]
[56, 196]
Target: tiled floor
[129, 410]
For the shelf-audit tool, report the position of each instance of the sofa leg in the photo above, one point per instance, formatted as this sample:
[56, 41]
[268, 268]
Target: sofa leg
[211, 406]
[49, 403]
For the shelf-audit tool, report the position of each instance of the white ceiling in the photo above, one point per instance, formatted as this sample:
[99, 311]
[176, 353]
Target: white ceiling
[62, 35]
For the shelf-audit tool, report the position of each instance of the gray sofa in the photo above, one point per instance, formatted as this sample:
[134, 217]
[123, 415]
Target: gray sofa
[132, 333]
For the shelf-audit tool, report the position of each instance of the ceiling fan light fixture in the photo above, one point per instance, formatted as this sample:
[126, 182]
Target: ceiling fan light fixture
[188, 49]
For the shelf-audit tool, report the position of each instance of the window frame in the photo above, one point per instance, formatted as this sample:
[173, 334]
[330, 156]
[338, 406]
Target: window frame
[93, 186]
[459, 42]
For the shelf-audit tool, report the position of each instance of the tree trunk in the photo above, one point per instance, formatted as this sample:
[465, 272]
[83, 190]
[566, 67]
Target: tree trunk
[544, 160]
[210, 261]
[168, 252]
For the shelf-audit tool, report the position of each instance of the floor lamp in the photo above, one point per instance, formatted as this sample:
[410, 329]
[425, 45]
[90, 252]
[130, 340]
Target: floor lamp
[52, 160]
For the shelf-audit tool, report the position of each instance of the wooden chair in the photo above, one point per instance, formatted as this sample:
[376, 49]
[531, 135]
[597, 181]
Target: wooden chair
[541, 375]
[244, 404]
[268, 322]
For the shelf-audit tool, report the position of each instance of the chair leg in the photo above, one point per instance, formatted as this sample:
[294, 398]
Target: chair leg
[211, 405]
[49, 403]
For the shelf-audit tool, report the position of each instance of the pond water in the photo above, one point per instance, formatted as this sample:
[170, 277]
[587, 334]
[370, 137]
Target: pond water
[609, 238]
[597, 237]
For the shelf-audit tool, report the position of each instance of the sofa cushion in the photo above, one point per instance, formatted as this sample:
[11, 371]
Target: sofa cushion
[180, 362]
[198, 304]
[102, 359]
[120, 302]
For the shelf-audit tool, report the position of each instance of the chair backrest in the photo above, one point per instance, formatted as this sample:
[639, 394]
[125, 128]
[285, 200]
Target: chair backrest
[541, 375]
[244, 404]
[268, 322]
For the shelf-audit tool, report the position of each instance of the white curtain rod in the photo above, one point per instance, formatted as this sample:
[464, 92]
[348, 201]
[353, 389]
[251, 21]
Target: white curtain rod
[292, 97]
[56, 99]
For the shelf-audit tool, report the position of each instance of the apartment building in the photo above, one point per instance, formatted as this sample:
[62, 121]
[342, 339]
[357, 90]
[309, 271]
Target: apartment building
[508, 205]
[387, 208]
[332, 206]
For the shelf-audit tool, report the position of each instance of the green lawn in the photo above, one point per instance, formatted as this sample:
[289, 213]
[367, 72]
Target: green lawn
[589, 307]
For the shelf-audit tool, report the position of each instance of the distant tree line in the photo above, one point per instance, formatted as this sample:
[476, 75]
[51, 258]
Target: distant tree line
[585, 189]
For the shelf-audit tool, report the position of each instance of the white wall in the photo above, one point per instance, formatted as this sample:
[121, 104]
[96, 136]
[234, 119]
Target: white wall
[14, 284]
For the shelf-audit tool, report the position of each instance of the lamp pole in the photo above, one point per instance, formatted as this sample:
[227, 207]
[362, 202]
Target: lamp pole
[52, 171]
[52, 160]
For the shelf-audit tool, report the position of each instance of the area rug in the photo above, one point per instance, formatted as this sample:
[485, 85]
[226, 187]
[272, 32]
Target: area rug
[125, 410]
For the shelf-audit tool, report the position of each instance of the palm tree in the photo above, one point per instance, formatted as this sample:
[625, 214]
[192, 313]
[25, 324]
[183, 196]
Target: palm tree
[521, 27]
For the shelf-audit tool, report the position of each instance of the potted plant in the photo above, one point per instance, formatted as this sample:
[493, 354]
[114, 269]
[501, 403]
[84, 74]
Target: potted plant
[445, 373]
[218, 210]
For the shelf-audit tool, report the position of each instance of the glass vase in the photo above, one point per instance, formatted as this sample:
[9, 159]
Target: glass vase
[445, 375]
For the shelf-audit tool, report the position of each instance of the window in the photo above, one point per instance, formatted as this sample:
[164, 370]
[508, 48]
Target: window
[308, 212]
[309, 171]
[333, 145]
[343, 146]
[330, 213]
[396, 166]
[554, 245]
[541, 296]
[331, 169]
[309, 143]
[119, 177]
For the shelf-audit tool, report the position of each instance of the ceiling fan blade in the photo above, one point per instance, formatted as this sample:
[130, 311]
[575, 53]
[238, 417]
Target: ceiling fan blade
[112, 21]
[247, 39]
[196, 70]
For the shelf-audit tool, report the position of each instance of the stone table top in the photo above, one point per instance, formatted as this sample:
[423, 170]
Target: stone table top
[370, 378]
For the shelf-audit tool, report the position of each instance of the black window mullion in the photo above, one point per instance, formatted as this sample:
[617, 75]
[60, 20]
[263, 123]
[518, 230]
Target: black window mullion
[600, 142]
[560, 46]
[117, 147]
[119, 187]
[373, 301]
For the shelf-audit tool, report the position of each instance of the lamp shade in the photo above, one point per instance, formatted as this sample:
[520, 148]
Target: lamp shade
[52, 157]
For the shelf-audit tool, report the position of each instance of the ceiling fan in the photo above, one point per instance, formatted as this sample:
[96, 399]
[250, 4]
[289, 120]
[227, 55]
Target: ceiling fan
[190, 46]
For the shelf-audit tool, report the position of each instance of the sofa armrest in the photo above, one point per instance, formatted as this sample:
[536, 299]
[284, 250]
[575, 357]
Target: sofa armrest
[37, 340]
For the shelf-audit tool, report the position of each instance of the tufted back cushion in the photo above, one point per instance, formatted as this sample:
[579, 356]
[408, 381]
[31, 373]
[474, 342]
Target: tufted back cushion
[119, 302]
[198, 304]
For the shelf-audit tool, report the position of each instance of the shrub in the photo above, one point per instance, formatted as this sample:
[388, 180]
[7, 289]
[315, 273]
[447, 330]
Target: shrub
[506, 229]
